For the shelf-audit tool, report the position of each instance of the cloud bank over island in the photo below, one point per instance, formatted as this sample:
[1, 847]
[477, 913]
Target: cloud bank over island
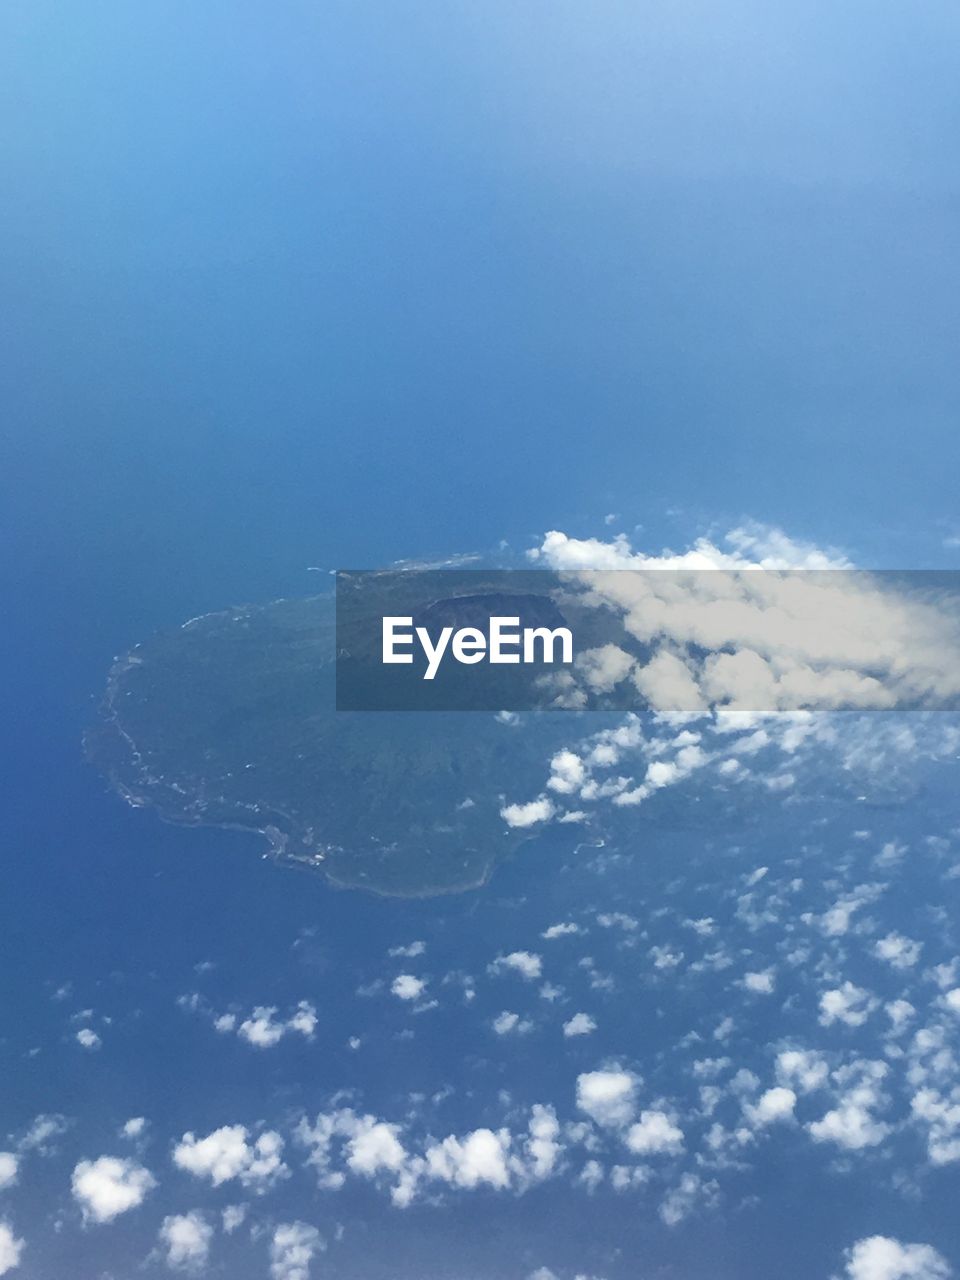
[767, 624]
[753, 644]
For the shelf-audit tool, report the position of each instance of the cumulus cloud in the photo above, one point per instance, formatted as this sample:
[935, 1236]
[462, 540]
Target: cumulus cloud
[883, 1258]
[406, 986]
[670, 686]
[567, 773]
[43, 1134]
[408, 952]
[617, 920]
[11, 1249]
[263, 1029]
[853, 1123]
[293, 1247]
[372, 1148]
[527, 963]
[848, 1004]
[898, 951]
[228, 1153]
[9, 1166]
[508, 1023]
[185, 1239]
[562, 930]
[529, 814]
[655, 1133]
[607, 1096]
[683, 1199]
[233, 1217]
[774, 1105]
[481, 1157]
[836, 921]
[761, 983]
[543, 1147]
[663, 773]
[602, 668]
[581, 1024]
[941, 1117]
[107, 1187]
[725, 635]
[805, 1069]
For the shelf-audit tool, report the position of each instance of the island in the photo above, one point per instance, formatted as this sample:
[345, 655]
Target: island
[229, 720]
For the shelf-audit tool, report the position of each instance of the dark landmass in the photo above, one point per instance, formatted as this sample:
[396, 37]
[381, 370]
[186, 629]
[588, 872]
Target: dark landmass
[229, 721]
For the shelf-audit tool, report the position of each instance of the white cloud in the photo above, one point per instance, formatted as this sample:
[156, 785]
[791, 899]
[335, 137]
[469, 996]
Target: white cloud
[900, 1013]
[42, 1134]
[581, 1024]
[88, 1039]
[761, 984]
[848, 1004]
[882, 1258]
[375, 1148]
[408, 952]
[186, 1237]
[134, 1127]
[9, 1165]
[852, 1124]
[292, 1248]
[654, 1134]
[835, 922]
[682, 1199]
[543, 1146]
[898, 951]
[481, 1157]
[765, 641]
[563, 930]
[262, 1027]
[11, 1249]
[226, 1153]
[506, 1023]
[804, 1068]
[776, 1104]
[941, 1116]
[526, 963]
[528, 815]
[233, 1217]
[567, 773]
[371, 1146]
[607, 1096]
[407, 987]
[664, 958]
[263, 1030]
[617, 920]
[602, 668]
[107, 1187]
[705, 927]
[670, 687]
